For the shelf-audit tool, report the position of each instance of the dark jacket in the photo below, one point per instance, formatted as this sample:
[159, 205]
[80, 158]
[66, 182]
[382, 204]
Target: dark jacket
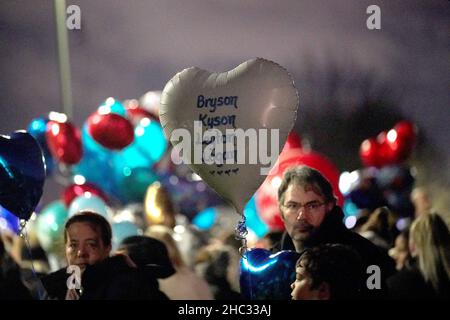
[332, 230]
[111, 279]
[11, 285]
[410, 284]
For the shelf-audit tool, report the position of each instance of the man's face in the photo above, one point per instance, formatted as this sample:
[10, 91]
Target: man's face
[84, 245]
[301, 288]
[303, 211]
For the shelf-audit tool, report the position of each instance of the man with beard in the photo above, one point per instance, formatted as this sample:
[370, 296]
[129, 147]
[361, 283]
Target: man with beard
[311, 217]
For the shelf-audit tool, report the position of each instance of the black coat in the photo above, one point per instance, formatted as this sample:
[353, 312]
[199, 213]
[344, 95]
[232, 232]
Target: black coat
[332, 230]
[111, 279]
[410, 284]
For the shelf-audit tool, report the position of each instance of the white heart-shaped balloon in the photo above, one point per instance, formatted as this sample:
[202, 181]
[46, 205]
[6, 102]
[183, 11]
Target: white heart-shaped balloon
[258, 97]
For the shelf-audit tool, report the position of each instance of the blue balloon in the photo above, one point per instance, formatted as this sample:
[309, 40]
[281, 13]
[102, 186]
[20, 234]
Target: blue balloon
[122, 230]
[91, 203]
[22, 173]
[267, 276]
[8, 221]
[150, 139]
[37, 129]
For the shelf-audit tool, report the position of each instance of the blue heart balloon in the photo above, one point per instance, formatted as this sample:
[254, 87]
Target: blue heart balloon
[267, 276]
[22, 173]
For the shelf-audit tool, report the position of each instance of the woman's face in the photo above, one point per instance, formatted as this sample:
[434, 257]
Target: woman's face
[400, 251]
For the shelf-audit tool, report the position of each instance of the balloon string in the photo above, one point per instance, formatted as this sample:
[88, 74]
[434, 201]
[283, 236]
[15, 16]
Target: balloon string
[24, 235]
[241, 234]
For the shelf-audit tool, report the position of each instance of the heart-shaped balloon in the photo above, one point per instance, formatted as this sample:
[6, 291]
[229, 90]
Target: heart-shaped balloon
[22, 173]
[267, 276]
[258, 96]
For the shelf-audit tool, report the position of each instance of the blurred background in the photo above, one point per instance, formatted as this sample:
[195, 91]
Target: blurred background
[353, 82]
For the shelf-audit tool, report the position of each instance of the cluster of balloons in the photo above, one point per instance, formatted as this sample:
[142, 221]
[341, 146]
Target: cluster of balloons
[113, 153]
[386, 180]
[389, 147]
[370, 188]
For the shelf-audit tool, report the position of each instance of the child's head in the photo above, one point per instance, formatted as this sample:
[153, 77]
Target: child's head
[330, 271]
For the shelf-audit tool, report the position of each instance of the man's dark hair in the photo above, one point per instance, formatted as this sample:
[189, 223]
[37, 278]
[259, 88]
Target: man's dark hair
[308, 178]
[338, 265]
[96, 221]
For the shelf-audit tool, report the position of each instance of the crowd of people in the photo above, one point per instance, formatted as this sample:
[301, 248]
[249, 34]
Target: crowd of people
[372, 261]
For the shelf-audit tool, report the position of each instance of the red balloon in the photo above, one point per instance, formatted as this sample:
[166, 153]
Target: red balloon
[75, 190]
[368, 152]
[406, 131]
[387, 152]
[64, 141]
[293, 141]
[267, 197]
[110, 130]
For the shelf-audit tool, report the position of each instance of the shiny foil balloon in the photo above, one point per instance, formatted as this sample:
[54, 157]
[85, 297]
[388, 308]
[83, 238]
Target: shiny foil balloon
[64, 142]
[266, 275]
[368, 152]
[258, 95]
[75, 190]
[50, 226]
[22, 173]
[159, 208]
[8, 221]
[110, 130]
[38, 128]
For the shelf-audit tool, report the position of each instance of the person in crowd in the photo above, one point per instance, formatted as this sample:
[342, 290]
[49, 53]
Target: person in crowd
[400, 252]
[215, 264]
[149, 253]
[87, 238]
[421, 201]
[328, 272]
[428, 276]
[377, 228]
[11, 285]
[311, 217]
[270, 239]
[184, 284]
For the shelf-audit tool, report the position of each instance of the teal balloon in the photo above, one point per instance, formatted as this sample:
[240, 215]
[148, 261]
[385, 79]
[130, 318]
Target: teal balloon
[253, 220]
[132, 157]
[122, 230]
[150, 139]
[97, 165]
[205, 219]
[50, 225]
[91, 203]
[133, 183]
[114, 106]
